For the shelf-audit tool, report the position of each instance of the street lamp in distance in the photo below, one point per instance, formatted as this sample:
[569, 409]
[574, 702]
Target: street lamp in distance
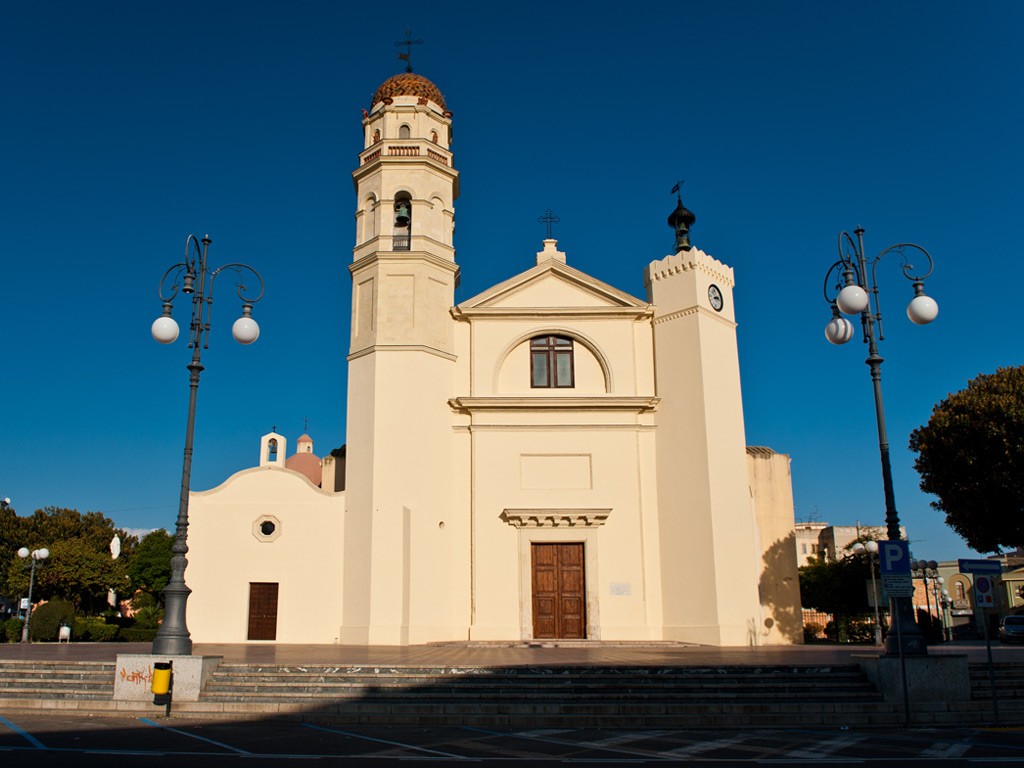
[37, 555]
[871, 547]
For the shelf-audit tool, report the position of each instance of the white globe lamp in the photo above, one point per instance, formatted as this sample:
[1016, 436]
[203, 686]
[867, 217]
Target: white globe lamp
[852, 300]
[839, 330]
[245, 329]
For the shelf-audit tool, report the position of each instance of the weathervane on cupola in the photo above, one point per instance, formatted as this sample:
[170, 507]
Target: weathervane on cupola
[408, 43]
[681, 219]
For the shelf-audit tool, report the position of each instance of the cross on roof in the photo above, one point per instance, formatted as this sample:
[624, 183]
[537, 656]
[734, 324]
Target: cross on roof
[548, 219]
[675, 189]
[305, 426]
[408, 43]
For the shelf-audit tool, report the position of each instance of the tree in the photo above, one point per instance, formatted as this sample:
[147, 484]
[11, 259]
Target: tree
[75, 571]
[149, 569]
[79, 568]
[836, 587]
[970, 455]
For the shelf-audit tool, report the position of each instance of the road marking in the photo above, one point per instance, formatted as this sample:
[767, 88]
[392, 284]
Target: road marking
[220, 744]
[561, 742]
[826, 748]
[23, 733]
[705, 746]
[625, 738]
[385, 741]
[954, 749]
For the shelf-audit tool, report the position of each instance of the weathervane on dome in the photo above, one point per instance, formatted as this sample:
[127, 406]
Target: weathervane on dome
[408, 43]
[681, 219]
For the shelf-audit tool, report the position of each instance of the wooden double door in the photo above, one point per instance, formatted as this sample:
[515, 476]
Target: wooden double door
[559, 599]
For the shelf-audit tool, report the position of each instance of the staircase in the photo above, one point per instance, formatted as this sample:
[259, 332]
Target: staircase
[570, 697]
[522, 697]
[40, 682]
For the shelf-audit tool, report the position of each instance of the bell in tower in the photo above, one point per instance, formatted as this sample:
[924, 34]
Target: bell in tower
[681, 219]
[402, 213]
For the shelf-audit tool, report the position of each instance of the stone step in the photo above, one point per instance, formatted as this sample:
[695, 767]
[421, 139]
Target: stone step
[515, 685]
[43, 685]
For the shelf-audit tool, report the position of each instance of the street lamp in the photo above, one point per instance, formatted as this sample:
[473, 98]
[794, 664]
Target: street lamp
[871, 547]
[196, 279]
[928, 570]
[37, 555]
[849, 288]
[947, 620]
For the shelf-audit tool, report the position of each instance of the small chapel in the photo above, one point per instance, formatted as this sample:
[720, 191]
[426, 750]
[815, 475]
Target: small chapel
[552, 459]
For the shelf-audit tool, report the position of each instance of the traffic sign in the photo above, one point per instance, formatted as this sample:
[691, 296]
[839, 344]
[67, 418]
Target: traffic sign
[984, 592]
[894, 557]
[897, 585]
[980, 566]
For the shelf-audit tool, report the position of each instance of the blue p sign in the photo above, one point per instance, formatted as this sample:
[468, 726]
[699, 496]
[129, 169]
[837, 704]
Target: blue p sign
[894, 557]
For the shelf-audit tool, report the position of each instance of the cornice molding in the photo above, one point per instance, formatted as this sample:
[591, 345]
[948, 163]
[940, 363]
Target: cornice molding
[555, 518]
[402, 257]
[696, 310]
[402, 348]
[579, 313]
[528, 403]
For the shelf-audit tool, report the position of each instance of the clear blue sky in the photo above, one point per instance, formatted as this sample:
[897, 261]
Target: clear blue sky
[128, 125]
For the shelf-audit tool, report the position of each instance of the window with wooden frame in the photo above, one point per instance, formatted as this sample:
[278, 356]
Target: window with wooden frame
[551, 362]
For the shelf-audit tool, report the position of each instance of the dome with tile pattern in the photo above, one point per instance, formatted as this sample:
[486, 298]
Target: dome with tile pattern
[408, 84]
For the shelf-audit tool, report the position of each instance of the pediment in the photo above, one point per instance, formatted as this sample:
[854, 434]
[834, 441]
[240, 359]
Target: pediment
[552, 285]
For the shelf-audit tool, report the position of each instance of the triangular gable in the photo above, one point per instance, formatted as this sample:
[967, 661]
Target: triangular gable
[552, 284]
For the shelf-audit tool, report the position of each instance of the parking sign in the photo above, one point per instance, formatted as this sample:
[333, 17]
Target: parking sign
[894, 558]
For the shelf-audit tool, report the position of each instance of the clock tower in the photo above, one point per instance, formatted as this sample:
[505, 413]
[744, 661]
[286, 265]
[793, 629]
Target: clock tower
[709, 544]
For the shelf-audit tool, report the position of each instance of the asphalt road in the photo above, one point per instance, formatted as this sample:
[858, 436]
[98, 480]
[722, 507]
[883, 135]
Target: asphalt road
[47, 739]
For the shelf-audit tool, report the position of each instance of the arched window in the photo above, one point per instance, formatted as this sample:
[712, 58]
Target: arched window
[551, 362]
[376, 135]
[959, 591]
[433, 136]
[404, 132]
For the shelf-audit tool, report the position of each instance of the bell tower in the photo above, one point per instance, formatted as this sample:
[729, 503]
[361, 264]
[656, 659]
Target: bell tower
[399, 486]
[707, 527]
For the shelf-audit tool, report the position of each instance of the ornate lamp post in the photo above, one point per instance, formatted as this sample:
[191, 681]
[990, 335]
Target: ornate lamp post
[852, 289]
[196, 280]
[37, 555]
[871, 547]
[947, 620]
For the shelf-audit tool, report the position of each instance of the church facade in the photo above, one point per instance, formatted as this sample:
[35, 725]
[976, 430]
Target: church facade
[553, 458]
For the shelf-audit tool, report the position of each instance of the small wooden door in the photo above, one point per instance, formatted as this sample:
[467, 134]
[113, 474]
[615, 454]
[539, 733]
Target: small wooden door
[559, 602]
[262, 611]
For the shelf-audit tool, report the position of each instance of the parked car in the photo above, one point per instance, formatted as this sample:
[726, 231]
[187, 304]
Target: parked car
[1011, 629]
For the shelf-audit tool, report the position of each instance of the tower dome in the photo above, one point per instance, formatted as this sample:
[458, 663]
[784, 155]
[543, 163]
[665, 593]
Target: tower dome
[408, 84]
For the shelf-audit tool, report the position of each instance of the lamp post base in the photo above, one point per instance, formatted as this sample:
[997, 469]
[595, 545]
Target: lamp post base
[905, 637]
[174, 639]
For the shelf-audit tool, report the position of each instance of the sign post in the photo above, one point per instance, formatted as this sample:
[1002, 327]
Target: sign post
[894, 565]
[984, 572]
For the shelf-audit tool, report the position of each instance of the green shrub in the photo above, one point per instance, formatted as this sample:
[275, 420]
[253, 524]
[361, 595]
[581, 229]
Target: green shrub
[11, 632]
[47, 619]
[138, 634]
[93, 629]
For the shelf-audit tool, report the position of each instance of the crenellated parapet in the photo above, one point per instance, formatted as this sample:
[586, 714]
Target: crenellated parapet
[694, 260]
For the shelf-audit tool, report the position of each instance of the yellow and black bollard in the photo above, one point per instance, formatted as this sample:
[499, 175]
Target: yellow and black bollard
[162, 684]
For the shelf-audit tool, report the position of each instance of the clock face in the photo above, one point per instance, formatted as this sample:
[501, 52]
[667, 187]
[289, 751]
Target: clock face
[715, 297]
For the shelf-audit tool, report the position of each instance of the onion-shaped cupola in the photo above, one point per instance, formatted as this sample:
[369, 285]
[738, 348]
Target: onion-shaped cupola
[681, 219]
